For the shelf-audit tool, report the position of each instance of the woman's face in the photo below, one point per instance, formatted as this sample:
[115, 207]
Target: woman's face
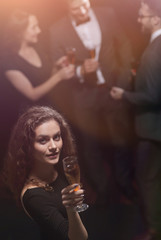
[32, 31]
[48, 143]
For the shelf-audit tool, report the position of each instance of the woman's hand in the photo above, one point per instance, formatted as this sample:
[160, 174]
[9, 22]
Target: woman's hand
[72, 195]
[66, 72]
[62, 62]
[117, 93]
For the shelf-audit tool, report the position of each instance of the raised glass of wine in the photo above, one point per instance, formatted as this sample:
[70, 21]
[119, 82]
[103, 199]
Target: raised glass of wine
[72, 173]
[92, 52]
[70, 52]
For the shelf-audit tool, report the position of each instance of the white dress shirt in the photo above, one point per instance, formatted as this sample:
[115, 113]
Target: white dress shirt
[90, 35]
[155, 34]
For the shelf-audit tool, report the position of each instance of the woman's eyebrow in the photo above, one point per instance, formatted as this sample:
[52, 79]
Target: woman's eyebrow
[45, 135]
[41, 135]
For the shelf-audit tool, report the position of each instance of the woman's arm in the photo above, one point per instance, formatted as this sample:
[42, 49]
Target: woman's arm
[23, 84]
[77, 230]
[70, 199]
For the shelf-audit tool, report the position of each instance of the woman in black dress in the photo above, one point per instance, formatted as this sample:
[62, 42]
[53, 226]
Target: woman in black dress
[40, 140]
[28, 73]
[26, 68]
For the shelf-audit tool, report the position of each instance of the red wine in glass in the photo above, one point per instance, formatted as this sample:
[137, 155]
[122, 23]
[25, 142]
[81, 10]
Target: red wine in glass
[92, 52]
[70, 51]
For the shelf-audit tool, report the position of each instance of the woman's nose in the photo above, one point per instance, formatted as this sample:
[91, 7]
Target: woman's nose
[38, 30]
[52, 145]
[139, 20]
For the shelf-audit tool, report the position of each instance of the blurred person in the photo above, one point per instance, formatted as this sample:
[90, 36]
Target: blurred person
[147, 100]
[28, 73]
[102, 59]
[33, 171]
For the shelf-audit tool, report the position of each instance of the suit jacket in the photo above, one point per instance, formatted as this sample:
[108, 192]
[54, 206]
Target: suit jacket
[115, 53]
[147, 95]
[114, 59]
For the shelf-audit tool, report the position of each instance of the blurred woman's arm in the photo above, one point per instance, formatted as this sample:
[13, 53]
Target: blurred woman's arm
[23, 84]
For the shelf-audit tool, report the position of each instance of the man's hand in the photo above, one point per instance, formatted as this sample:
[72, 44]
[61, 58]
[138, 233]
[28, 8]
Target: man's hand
[89, 66]
[116, 93]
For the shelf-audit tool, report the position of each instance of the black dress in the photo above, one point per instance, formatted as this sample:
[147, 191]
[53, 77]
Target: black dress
[12, 102]
[45, 207]
[13, 99]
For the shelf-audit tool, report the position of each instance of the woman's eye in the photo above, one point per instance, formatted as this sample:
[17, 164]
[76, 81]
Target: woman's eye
[42, 141]
[57, 137]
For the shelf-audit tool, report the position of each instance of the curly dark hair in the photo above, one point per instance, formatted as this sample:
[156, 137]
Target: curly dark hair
[19, 158]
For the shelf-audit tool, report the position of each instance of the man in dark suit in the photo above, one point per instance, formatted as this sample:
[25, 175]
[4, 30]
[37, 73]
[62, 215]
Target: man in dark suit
[147, 99]
[99, 121]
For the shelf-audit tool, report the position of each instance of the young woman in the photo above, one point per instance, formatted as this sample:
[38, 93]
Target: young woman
[40, 140]
[28, 72]
[26, 68]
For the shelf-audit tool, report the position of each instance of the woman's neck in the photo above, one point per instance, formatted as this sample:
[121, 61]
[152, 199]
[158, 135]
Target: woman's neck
[29, 53]
[25, 50]
[24, 47]
[45, 174]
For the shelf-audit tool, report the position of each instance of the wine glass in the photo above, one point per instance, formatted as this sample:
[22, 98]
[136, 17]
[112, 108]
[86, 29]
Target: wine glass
[70, 52]
[72, 173]
[92, 52]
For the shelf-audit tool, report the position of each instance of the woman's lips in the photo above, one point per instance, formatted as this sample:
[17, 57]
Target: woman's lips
[52, 155]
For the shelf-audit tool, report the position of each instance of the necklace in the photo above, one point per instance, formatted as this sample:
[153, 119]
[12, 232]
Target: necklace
[40, 183]
[45, 186]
